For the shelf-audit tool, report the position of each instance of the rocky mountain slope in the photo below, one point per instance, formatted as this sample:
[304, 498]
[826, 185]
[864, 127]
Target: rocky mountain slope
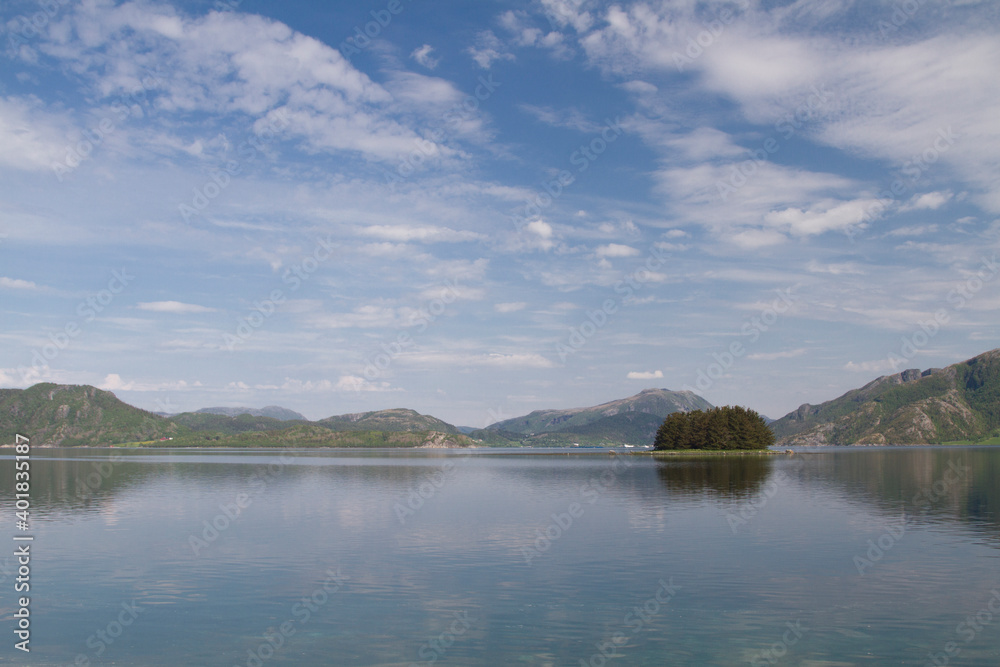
[957, 403]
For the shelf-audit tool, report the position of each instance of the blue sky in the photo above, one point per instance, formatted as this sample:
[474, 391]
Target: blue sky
[478, 209]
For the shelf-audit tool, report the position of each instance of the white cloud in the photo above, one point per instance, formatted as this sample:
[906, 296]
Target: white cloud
[751, 239]
[423, 56]
[572, 119]
[540, 228]
[418, 92]
[616, 250]
[824, 216]
[918, 230]
[921, 103]
[357, 383]
[567, 13]
[32, 138]
[453, 292]
[114, 382]
[877, 366]
[17, 283]
[540, 236]
[494, 360]
[928, 200]
[703, 143]
[230, 62]
[846, 268]
[488, 49]
[772, 356]
[645, 375]
[511, 307]
[173, 307]
[426, 234]
[765, 208]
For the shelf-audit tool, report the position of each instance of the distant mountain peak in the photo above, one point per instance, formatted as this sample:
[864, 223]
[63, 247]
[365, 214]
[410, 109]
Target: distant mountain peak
[273, 411]
[631, 420]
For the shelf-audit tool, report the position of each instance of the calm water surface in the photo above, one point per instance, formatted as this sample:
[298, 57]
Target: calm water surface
[833, 557]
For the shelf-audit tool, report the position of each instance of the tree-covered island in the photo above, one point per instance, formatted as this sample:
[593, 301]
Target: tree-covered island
[724, 428]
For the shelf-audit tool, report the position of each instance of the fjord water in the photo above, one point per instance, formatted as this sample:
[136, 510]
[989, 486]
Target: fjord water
[832, 557]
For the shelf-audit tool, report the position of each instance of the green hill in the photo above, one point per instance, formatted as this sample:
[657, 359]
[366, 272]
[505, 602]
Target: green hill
[241, 423]
[73, 415]
[311, 434]
[69, 415]
[273, 411]
[394, 420]
[957, 403]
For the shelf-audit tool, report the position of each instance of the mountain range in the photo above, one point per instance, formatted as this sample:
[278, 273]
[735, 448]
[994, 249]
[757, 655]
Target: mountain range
[274, 411]
[73, 415]
[959, 403]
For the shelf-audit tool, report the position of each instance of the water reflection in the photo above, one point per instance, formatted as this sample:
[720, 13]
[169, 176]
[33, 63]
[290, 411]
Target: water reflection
[461, 554]
[731, 477]
[930, 485]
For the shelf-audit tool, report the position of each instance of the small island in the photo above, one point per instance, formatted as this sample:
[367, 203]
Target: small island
[719, 429]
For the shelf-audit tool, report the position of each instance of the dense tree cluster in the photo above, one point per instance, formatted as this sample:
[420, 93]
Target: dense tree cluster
[716, 429]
